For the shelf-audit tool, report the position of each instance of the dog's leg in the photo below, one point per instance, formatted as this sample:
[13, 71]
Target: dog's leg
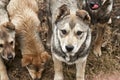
[80, 68]
[3, 72]
[99, 40]
[58, 69]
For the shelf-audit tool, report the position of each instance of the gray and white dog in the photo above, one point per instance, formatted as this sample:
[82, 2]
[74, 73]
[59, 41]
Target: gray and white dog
[71, 36]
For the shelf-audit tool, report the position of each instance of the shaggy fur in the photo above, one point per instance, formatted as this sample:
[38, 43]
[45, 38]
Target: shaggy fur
[23, 14]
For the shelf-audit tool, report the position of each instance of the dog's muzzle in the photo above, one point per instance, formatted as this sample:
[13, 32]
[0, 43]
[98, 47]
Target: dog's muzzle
[94, 5]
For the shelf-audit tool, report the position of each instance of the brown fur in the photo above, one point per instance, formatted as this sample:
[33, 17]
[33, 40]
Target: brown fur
[7, 45]
[24, 15]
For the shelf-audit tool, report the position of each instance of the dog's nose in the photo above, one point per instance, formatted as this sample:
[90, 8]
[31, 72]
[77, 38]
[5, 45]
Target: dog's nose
[94, 5]
[69, 48]
[10, 56]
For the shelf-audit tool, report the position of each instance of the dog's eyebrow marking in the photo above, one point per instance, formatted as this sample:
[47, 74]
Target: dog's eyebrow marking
[72, 24]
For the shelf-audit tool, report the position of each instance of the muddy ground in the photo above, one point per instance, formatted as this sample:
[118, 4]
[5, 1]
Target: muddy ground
[106, 67]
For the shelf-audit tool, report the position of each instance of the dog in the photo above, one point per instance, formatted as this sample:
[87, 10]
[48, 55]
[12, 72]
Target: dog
[71, 37]
[7, 39]
[100, 13]
[7, 47]
[23, 14]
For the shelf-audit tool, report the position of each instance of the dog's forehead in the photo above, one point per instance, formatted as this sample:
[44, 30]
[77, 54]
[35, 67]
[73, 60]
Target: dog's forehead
[73, 22]
[99, 1]
[3, 34]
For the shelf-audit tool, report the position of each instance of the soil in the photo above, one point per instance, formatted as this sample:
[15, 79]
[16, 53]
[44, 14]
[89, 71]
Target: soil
[106, 67]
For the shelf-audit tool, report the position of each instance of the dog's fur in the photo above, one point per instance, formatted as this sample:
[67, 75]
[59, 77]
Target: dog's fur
[3, 13]
[7, 45]
[100, 18]
[7, 39]
[23, 14]
[71, 36]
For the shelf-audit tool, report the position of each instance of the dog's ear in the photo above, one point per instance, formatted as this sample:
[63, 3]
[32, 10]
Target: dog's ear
[62, 12]
[84, 15]
[45, 56]
[26, 60]
[9, 26]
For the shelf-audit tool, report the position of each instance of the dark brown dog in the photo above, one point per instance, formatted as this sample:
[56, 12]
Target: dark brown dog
[100, 12]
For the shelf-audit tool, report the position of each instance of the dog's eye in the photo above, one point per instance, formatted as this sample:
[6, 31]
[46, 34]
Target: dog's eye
[79, 33]
[64, 32]
[11, 43]
[1, 45]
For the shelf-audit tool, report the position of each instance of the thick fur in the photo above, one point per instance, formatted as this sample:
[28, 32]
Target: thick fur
[23, 14]
[7, 45]
[71, 36]
[100, 18]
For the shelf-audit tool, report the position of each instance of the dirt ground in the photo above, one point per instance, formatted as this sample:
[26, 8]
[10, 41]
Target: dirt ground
[106, 67]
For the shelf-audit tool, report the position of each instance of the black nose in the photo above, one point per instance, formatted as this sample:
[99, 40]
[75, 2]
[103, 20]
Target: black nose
[92, 4]
[10, 56]
[69, 48]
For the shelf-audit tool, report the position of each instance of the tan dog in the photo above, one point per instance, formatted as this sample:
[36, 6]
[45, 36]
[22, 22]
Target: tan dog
[71, 37]
[7, 39]
[23, 13]
[7, 44]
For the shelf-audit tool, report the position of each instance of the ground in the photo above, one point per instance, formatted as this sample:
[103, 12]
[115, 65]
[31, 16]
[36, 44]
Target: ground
[106, 67]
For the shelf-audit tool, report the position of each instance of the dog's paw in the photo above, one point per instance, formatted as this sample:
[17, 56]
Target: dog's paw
[97, 51]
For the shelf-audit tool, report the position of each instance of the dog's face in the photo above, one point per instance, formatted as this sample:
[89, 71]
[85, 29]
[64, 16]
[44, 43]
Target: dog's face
[7, 41]
[95, 4]
[35, 64]
[72, 29]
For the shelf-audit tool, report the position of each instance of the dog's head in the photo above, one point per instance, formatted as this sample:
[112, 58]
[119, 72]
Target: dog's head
[71, 29]
[7, 41]
[35, 64]
[94, 4]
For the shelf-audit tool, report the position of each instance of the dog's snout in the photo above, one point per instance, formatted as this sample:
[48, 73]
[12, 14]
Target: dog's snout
[93, 5]
[10, 56]
[69, 48]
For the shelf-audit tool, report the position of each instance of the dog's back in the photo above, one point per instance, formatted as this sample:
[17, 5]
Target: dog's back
[23, 13]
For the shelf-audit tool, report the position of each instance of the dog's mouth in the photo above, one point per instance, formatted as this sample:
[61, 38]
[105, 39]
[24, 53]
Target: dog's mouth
[94, 6]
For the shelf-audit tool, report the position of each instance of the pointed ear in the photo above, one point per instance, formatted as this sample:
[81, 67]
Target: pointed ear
[62, 12]
[26, 60]
[84, 15]
[9, 26]
[45, 56]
